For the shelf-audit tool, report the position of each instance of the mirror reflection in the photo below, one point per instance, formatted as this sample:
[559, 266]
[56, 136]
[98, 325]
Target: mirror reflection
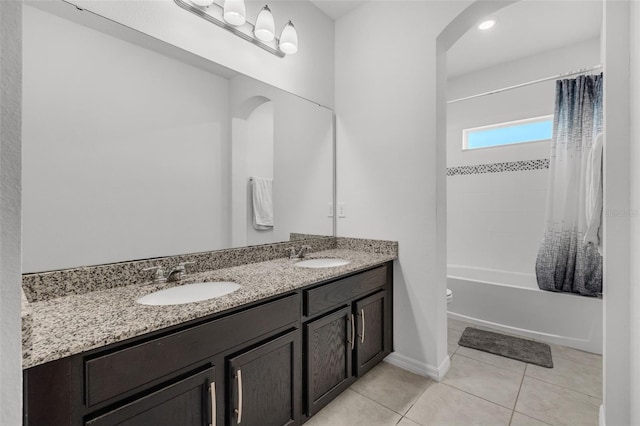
[131, 152]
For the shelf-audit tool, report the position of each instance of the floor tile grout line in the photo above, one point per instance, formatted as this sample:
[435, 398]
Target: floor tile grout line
[515, 404]
[476, 396]
[534, 418]
[419, 396]
[497, 366]
[384, 406]
[564, 387]
[586, 364]
[527, 364]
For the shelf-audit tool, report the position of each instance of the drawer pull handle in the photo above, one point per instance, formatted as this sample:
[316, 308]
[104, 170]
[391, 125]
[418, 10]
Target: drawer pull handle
[362, 336]
[212, 390]
[353, 333]
[239, 409]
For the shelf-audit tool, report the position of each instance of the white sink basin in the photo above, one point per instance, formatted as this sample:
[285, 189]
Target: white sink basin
[322, 263]
[189, 293]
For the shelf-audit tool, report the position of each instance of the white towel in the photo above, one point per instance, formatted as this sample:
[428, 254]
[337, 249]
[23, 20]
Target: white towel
[593, 233]
[262, 196]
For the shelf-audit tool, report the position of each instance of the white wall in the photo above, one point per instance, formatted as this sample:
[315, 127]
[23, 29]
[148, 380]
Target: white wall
[120, 145]
[308, 73]
[496, 220]
[634, 331]
[385, 106]
[617, 243]
[10, 176]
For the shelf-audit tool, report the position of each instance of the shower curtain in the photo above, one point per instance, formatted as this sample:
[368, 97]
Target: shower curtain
[565, 263]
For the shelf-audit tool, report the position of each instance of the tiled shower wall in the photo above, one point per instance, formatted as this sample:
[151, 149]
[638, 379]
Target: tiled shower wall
[496, 220]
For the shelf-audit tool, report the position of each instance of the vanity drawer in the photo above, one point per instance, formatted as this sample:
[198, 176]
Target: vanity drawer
[129, 370]
[330, 295]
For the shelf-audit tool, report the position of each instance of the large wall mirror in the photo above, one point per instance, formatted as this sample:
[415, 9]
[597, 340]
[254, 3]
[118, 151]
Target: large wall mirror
[133, 149]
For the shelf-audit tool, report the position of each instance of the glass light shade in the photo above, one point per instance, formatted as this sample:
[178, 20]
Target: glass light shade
[265, 27]
[235, 12]
[202, 3]
[289, 39]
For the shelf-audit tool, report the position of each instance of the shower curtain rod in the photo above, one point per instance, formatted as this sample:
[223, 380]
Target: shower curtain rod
[528, 83]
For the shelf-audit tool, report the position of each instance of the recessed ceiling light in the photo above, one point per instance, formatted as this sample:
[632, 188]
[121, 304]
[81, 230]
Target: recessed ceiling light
[485, 25]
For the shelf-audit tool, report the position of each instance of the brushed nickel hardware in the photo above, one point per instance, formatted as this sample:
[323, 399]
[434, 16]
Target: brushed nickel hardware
[294, 254]
[353, 333]
[176, 273]
[212, 391]
[362, 336]
[158, 277]
[239, 409]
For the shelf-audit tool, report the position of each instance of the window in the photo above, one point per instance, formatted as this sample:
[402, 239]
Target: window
[512, 132]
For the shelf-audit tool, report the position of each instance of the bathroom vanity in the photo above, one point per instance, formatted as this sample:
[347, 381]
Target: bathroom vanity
[276, 360]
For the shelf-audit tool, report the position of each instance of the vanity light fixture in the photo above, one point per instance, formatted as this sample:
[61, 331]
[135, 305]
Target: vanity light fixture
[265, 29]
[486, 24]
[235, 12]
[289, 39]
[231, 15]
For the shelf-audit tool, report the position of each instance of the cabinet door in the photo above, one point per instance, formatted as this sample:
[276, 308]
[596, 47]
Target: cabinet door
[187, 402]
[264, 384]
[372, 325]
[329, 342]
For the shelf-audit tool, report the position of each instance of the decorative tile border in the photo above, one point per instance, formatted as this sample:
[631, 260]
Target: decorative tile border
[511, 166]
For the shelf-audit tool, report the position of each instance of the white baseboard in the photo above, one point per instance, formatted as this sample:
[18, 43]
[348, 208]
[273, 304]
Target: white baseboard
[421, 368]
[601, 415]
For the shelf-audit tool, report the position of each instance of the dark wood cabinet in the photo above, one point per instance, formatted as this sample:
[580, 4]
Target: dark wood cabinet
[264, 384]
[349, 340]
[188, 402]
[328, 358]
[373, 331]
[275, 362]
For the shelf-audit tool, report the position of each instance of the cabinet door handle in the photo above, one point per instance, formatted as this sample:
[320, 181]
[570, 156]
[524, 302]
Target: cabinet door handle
[239, 409]
[212, 391]
[353, 332]
[362, 336]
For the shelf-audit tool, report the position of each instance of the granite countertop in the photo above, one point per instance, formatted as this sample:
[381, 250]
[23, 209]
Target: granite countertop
[76, 323]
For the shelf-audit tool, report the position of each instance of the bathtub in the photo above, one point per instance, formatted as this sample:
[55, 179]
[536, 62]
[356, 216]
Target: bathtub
[513, 303]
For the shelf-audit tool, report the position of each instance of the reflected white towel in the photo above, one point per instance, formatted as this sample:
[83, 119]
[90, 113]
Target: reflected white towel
[593, 233]
[262, 196]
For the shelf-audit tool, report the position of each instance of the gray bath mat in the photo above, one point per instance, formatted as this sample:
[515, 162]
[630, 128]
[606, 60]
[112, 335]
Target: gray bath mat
[508, 346]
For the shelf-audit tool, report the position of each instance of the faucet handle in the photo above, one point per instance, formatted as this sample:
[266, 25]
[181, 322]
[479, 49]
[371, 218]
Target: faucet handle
[184, 265]
[158, 277]
[303, 251]
[292, 253]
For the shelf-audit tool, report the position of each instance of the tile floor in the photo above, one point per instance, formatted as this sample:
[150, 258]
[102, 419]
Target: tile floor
[480, 389]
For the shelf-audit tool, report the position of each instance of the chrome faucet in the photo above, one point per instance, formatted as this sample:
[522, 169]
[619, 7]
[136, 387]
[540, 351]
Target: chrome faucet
[300, 254]
[174, 274]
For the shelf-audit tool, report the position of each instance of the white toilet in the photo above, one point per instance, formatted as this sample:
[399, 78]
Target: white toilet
[449, 296]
